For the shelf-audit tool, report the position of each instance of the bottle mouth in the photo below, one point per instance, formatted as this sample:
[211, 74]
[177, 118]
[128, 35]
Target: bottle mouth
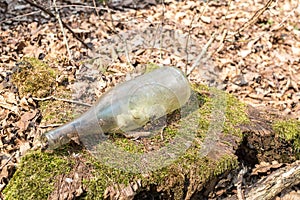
[60, 136]
[44, 142]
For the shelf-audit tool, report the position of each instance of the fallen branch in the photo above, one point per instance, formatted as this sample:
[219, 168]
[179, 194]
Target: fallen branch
[226, 36]
[7, 161]
[189, 33]
[62, 30]
[268, 187]
[255, 17]
[203, 52]
[20, 17]
[63, 23]
[95, 7]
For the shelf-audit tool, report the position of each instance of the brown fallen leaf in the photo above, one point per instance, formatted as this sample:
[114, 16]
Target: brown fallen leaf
[10, 98]
[10, 107]
[24, 103]
[205, 19]
[265, 167]
[291, 196]
[24, 147]
[25, 120]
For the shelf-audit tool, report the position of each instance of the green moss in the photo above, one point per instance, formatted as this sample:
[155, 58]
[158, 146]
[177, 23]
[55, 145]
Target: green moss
[128, 145]
[227, 162]
[35, 176]
[35, 77]
[151, 66]
[56, 111]
[39, 79]
[234, 112]
[191, 167]
[289, 130]
[104, 176]
[235, 115]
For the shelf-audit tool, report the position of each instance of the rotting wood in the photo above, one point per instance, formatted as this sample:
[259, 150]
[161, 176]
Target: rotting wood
[267, 188]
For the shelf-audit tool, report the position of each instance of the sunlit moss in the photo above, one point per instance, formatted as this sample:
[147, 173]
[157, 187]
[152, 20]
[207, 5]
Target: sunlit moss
[128, 145]
[35, 77]
[56, 112]
[151, 66]
[290, 131]
[35, 176]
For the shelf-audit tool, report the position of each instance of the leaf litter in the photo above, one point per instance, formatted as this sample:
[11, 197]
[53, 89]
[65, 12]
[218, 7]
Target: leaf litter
[259, 65]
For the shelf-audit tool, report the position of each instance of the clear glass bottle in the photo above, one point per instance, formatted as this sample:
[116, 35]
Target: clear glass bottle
[126, 107]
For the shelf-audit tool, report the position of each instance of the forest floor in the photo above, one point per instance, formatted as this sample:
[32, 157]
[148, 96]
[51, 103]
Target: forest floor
[250, 49]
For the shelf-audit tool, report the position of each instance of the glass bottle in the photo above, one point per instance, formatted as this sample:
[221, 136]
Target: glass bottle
[126, 107]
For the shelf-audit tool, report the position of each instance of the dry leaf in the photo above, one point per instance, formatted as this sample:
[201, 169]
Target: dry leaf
[25, 120]
[24, 147]
[24, 103]
[205, 19]
[265, 167]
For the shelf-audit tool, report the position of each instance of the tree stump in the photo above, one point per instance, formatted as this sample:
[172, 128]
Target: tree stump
[247, 137]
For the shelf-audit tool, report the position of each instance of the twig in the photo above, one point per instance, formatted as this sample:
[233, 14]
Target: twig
[50, 125]
[240, 194]
[154, 41]
[20, 16]
[95, 7]
[224, 33]
[63, 23]
[254, 18]
[221, 43]
[277, 26]
[58, 6]
[113, 29]
[204, 9]
[227, 11]
[187, 43]
[189, 32]
[62, 30]
[225, 36]
[204, 50]
[4, 164]
[162, 27]
[186, 47]
[60, 99]
[81, 6]
[224, 30]
[159, 27]
[251, 21]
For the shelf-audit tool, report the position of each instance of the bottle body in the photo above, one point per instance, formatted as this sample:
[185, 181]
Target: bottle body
[128, 106]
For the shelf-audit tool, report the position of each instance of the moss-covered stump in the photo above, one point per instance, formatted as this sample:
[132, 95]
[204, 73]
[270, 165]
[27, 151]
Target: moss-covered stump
[69, 172]
[269, 137]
